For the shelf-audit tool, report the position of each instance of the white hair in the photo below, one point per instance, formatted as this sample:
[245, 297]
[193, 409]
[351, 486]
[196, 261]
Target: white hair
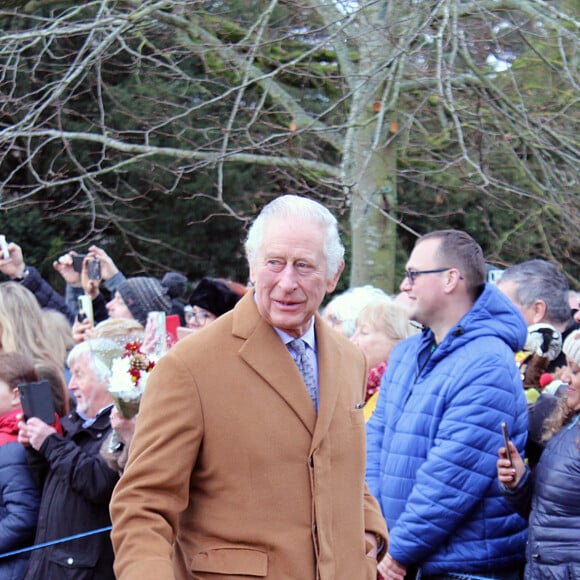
[347, 306]
[101, 353]
[289, 207]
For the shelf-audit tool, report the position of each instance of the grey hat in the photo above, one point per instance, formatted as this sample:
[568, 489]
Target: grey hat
[175, 283]
[143, 295]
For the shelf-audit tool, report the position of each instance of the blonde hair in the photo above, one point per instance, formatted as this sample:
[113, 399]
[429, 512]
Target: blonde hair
[124, 329]
[560, 416]
[389, 317]
[23, 326]
[60, 330]
[346, 307]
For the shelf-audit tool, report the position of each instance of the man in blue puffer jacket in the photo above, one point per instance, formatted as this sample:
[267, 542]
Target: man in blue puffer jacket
[433, 439]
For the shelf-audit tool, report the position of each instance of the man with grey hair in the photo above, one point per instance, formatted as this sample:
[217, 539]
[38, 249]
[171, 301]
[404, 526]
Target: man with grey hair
[76, 482]
[257, 469]
[541, 293]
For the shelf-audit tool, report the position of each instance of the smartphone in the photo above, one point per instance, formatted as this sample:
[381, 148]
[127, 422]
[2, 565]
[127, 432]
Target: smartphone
[85, 308]
[506, 440]
[77, 262]
[36, 401]
[94, 269]
[4, 247]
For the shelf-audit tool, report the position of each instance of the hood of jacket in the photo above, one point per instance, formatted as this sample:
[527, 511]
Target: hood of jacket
[492, 315]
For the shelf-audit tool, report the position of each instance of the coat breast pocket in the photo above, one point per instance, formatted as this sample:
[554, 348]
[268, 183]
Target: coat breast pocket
[357, 416]
[74, 566]
[233, 562]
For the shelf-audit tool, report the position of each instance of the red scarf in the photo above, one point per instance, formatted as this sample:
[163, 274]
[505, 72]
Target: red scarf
[9, 427]
[374, 379]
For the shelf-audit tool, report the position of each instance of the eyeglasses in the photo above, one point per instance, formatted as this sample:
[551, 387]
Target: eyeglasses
[198, 316]
[412, 274]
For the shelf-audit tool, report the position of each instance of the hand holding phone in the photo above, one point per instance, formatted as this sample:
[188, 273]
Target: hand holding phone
[85, 308]
[77, 262]
[94, 269]
[36, 400]
[4, 247]
[506, 441]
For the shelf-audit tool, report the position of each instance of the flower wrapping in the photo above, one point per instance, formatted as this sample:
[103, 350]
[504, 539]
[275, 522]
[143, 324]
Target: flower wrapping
[129, 375]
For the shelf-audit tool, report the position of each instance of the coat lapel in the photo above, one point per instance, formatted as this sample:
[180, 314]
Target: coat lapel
[266, 354]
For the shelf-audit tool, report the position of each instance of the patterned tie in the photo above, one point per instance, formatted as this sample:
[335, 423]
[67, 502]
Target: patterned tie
[306, 369]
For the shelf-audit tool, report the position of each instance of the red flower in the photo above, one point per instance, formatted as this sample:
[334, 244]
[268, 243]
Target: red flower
[139, 361]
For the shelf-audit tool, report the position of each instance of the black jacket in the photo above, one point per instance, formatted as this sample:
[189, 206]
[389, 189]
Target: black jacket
[46, 295]
[75, 499]
[553, 494]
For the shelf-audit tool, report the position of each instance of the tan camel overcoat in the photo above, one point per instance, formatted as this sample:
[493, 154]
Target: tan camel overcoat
[231, 474]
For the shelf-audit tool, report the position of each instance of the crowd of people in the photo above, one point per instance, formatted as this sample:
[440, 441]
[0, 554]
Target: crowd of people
[286, 431]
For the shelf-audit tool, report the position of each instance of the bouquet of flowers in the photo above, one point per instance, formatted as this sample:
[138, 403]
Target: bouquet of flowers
[129, 378]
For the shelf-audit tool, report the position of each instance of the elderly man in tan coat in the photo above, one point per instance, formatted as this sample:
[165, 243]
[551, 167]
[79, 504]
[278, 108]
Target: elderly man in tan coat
[234, 470]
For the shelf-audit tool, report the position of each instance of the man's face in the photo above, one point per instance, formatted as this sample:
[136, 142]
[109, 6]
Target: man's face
[91, 395]
[509, 288]
[574, 301]
[425, 292]
[290, 274]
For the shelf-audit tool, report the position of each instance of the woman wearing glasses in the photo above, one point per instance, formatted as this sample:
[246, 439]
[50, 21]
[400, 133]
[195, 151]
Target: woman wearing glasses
[211, 298]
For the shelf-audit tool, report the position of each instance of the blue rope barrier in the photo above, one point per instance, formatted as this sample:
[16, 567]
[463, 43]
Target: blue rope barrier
[54, 542]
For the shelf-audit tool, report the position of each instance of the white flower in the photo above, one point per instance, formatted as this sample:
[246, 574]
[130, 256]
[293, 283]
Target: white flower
[121, 379]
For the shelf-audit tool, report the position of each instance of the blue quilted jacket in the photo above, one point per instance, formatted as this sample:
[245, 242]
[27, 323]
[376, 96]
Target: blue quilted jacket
[19, 503]
[433, 441]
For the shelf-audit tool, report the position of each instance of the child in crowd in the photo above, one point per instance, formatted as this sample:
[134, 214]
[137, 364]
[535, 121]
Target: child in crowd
[19, 495]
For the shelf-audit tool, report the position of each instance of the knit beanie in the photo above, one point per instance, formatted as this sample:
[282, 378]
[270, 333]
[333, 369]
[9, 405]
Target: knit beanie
[213, 296]
[175, 283]
[143, 295]
[571, 347]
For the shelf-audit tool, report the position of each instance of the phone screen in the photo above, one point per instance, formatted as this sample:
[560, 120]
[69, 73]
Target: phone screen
[506, 440]
[85, 308]
[94, 269]
[4, 248]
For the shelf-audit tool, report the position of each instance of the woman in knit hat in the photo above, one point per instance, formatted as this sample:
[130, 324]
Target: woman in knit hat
[136, 297]
[550, 495]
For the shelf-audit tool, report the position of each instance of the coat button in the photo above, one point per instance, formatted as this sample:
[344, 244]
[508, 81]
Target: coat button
[70, 561]
[99, 435]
